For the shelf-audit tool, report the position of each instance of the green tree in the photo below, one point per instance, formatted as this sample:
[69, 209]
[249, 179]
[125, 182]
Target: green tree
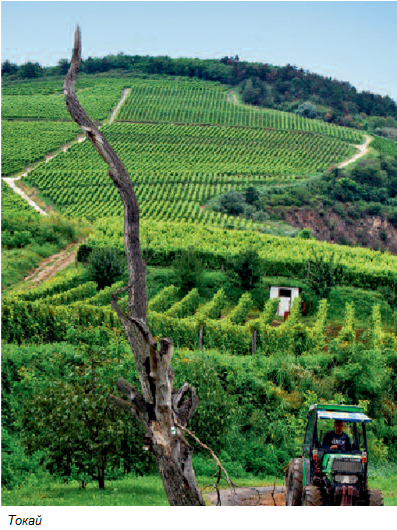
[30, 70]
[8, 68]
[63, 66]
[105, 266]
[247, 267]
[72, 422]
[307, 109]
[305, 233]
[188, 270]
[251, 195]
[232, 203]
[323, 274]
[371, 175]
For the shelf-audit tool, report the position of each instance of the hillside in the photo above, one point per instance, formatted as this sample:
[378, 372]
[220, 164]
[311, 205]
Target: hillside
[187, 145]
[286, 88]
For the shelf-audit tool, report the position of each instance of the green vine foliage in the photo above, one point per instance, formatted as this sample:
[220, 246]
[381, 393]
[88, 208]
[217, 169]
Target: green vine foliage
[240, 312]
[269, 311]
[212, 309]
[35, 322]
[377, 331]
[69, 279]
[347, 335]
[317, 333]
[186, 306]
[164, 300]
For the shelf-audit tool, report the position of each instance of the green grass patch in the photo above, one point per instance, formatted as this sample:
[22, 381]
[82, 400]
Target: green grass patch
[145, 491]
[134, 491]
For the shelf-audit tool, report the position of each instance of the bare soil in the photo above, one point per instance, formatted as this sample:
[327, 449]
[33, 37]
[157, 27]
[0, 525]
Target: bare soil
[260, 496]
[52, 265]
[373, 231]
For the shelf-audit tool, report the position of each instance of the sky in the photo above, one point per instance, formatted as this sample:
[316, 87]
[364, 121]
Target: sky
[349, 41]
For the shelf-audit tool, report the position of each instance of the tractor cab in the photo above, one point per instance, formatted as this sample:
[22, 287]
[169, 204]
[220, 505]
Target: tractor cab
[333, 468]
[335, 451]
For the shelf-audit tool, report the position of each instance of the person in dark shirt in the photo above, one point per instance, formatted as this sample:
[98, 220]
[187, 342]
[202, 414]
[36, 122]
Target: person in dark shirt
[337, 439]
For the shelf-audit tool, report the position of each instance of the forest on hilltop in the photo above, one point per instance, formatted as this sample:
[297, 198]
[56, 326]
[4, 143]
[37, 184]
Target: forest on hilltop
[286, 88]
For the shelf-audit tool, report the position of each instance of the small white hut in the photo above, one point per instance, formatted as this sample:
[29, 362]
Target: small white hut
[287, 296]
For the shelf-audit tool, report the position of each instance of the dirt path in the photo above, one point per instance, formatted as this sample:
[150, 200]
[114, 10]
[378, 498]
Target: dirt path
[362, 150]
[63, 148]
[260, 496]
[52, 265]
[11, 183]
[123, 98]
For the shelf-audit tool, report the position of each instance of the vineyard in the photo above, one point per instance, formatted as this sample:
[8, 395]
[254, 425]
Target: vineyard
[97, 100]
[206, 103]
[46, 315]
[11, 201]
[384, 146]
[26, 142]
[363, 268]
[175, 170]
[35, 120]
[183, 143]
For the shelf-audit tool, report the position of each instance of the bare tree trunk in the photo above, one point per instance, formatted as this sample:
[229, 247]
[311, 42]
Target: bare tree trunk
[158, 407]
[101, 477]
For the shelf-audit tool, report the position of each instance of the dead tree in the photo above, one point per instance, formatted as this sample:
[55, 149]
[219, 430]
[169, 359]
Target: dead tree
[163, 411]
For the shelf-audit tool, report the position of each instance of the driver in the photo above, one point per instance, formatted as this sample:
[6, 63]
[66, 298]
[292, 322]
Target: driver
[337, 439]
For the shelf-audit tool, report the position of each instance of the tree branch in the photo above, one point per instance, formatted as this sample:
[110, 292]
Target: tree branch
[221, 469]
[184, 403]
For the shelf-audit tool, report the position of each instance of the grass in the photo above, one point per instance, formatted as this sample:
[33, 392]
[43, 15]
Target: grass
[149, 491]
[134, 491]
[384, 477]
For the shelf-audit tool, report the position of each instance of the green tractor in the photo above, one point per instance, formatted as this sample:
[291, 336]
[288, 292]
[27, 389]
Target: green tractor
[333, 469]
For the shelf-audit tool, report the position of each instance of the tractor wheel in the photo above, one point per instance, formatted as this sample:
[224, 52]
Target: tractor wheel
[311, 496]
[294, 480]
[375, 498]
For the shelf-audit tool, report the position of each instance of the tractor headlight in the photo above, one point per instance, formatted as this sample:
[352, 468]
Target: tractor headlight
[346, 479]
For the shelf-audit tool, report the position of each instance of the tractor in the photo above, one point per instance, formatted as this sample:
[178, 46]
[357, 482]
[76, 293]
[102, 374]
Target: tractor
[332, 475]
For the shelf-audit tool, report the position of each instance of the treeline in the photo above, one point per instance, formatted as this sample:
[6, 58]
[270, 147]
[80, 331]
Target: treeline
[286, 88]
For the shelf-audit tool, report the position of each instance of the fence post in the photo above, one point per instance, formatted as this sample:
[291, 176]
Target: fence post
[201, 338]
[254, 342]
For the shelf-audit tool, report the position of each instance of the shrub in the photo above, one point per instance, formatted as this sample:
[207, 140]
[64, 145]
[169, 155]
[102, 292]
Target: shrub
[248, 268]
[83, 253]
[188, 271]
[305, 233]
[105, 266]
[323, 275]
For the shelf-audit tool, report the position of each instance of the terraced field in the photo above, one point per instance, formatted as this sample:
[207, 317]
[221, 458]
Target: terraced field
[176, 169]
[12, 201]
[31, 112]
[206, 103]
[25, 142]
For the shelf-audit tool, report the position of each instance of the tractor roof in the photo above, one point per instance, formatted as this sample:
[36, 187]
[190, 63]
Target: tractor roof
[354, 413]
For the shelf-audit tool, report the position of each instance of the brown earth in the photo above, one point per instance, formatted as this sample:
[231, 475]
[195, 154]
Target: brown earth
[256, 496]
[373, 231]
[33, 194]
[52, 265]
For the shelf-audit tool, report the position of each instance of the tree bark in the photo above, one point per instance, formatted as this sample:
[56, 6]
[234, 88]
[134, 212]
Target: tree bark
[158, 406]
[101, 477]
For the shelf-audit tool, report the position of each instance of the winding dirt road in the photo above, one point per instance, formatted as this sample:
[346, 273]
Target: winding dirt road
[11, 183]
[362, 150]
[52, 265]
